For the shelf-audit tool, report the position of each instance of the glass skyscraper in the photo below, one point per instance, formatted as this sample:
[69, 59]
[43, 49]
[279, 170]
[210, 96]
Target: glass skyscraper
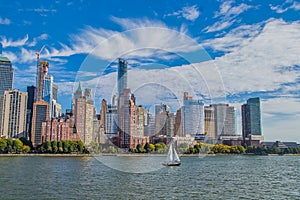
[122, 75]
[251, 117]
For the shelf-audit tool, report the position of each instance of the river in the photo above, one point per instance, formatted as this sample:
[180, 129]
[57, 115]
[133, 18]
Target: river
[211, 177]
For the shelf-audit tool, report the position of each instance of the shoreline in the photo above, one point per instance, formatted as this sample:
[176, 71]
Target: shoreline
[132, 155]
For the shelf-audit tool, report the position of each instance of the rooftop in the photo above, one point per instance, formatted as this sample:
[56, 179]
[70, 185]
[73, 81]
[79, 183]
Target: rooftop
[4, 59]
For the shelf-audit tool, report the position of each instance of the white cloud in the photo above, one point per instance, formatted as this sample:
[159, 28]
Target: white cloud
[189, 13]
[10, 43]
[4, 21]
[227, 15]
[287, 5]
[280, 117]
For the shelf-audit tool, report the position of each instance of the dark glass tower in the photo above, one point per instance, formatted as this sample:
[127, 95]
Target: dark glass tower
[251, 117]
[122, 75]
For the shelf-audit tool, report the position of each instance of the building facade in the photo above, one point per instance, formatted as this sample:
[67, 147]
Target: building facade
[192, 115]
[251, 118]
[224, 116]
[122, 75]
[14, 114]
[6, 80]
[41, 110]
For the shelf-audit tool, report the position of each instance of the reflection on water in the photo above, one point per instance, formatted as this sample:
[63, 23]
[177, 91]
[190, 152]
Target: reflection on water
[133, 164]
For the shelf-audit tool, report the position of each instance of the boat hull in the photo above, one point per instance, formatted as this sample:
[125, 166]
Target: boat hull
[172, 164]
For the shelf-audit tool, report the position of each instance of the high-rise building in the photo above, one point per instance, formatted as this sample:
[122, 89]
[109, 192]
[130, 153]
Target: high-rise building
[209, 122]
[31, 95]
[178, 127]
[54, 91]
[88, 93]
[224, 116]
[6, 80]
[42, 70]
[130, 122]
[47, 91]
[41, 110]
[161, 115]
[111, 120]
[122, 75]
[251, 118]
[103, 111]
[84, 112]
[14, 114]
[192, 113]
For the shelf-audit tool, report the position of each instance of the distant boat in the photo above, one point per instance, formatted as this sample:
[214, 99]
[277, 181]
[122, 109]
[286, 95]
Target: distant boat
[172, 158]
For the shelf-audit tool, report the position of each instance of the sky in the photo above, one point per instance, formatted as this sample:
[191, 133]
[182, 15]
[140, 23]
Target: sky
[218, 51]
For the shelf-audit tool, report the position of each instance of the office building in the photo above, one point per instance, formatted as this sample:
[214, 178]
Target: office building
[42, 70]
[41, 110]
[192, 114]
[6, 80]
[31, 95]
[209, 122]
[251, 118]
[224, 116]
[122, 75]
[14, 114]
[111, 120]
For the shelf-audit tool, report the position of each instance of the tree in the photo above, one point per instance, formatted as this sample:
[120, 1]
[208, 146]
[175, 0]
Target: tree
[66, 145]
[17, 146]
[80, 146]
[54, 146]
[25, 149]
[241, 149]
[152, 147]
[60, 147]
[147, 148]
[48, 147]
[3, 145]
[9, 145]
[139, 148]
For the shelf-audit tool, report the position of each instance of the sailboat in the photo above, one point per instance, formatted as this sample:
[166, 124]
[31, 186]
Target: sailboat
[172, 158]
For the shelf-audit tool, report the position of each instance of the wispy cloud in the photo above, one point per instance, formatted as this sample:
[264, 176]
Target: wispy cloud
[4, 21]
[189, 13]
[227, 15]
[8, 42]
[287, 5]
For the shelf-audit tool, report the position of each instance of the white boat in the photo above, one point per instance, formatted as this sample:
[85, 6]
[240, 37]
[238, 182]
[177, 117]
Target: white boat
[172, 158]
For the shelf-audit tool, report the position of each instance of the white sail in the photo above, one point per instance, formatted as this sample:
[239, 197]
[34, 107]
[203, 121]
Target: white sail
[176, 157]
[170, 154]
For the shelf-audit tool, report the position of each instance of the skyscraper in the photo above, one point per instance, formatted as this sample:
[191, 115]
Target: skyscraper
[47, 91]
[251, 118]
[42, 70]
[209, 122]
[161, 116]
[122, 75]
[31, 95]
[192, 113]
[40, 114]
[6, 80]
[224, 116]
[14, 114]
[84, 112]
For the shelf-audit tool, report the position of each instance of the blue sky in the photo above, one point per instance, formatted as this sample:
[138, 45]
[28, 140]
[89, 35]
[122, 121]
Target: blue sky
[218, 51]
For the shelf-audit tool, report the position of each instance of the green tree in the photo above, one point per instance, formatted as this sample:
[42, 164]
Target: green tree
[54, 146]
[241, 149]
[3, 145]
[48, 147]
[66, 146]
[17, 146]
[152, 147]
[25, 149]
[60, 147]
[9, 145]
[139, 148]
[147, 147]
[80, 146]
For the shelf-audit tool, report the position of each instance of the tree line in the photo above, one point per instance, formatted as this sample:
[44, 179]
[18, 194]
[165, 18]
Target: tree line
[13, 146]
[63, 146]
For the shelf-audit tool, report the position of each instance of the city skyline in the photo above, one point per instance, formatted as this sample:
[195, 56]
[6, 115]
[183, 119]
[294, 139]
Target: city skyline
[255, 56]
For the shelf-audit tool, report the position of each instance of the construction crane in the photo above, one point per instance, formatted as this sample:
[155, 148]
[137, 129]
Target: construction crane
[38, 53]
